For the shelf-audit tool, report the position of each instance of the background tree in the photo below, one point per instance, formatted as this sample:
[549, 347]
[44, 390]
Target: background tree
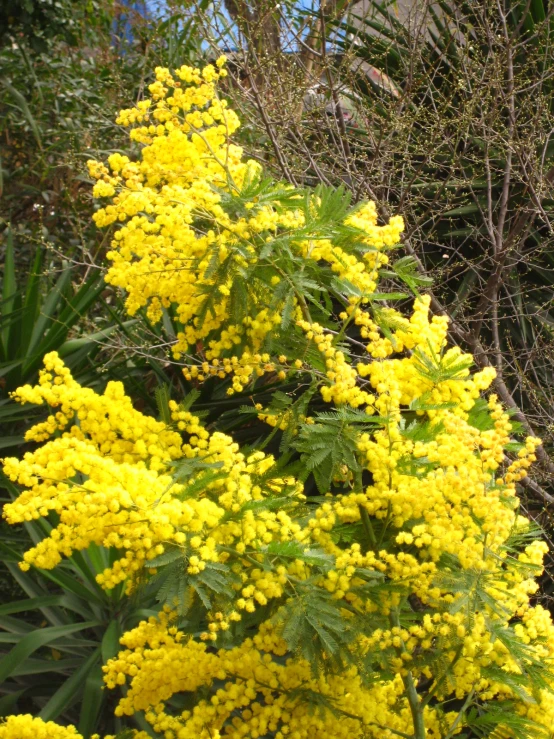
[445, 112]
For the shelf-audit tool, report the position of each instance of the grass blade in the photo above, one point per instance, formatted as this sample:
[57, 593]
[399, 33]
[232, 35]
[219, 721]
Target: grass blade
[24, 108]
[46, 317]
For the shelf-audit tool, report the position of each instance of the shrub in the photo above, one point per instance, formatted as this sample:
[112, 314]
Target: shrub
[370, 578]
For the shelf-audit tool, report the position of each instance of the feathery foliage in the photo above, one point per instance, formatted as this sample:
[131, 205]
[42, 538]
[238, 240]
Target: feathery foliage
[361, 569]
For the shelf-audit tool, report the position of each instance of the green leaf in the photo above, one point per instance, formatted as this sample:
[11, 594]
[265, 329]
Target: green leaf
[422, 403]
[35, 640]
[313, 626]
[330, 444]
[484, 719]
[58, 315]
[110, 640]
[9, 289]
[45, 319]
[294, 550]
[407, 270]
[91, 702]
[31, 304]
[32, 603]
[89, 340]
[25, 110]
[70, 583]
[479, 416]
[64, 696]
[171, 555]
[441, 368]
[8, 441]
[39, 666]
[9, 701]
[163, 396]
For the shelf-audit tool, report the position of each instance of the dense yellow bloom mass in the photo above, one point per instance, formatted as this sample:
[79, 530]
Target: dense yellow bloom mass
[107, 477]
[391, 604]
[455, 509]
[177, 235]
[438, 496]
[265, 694]
[27, 727]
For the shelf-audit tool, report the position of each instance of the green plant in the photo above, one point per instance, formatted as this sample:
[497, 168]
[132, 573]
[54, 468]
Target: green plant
[36, 22]
[40, 315]
[371, 577]
[54, 640]
[464, 149]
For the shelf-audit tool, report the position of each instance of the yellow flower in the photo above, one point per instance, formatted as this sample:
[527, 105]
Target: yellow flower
[421, 514]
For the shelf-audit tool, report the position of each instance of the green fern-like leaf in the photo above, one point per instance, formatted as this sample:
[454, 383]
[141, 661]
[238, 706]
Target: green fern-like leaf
[163, 396]
[483, 720]
[441, 368]
[330, 444]
[479, 416]
[313, 627]
[407, 271]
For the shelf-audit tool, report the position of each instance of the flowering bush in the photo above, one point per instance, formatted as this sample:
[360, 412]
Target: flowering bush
[394, 599]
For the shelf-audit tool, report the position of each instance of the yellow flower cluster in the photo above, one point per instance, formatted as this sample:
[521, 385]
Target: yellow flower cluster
[449, 494]
[241, 369]
[344, 381]
[107, 476]
[26, 727]
[416, 547]
[179, 242]
[400, 382]
[396, 383]
[108, 421]
[258, 694]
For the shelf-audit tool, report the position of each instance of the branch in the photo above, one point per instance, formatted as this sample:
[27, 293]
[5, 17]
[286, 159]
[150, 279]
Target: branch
[416, 706]
[269, 128]
[492, 284]
[460, 715]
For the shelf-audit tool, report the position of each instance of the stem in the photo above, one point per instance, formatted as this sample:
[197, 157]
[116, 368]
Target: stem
[416, 707]
[304, 308]
[301, 299]
[364, 515]
[386, 524]
[244, 555]
[460, 715]
[440, 682]
[347, 338]
[393, 731]
[346, 323]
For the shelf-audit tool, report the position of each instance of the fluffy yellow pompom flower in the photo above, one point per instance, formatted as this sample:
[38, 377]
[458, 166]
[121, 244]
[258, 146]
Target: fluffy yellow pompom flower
[397, 601]
[27, 727]
[108, 475]
[190, 215]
